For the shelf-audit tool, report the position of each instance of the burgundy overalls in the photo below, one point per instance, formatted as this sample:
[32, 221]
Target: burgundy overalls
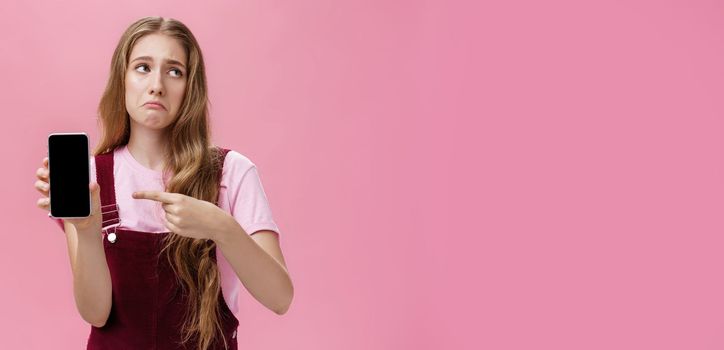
[148, 302]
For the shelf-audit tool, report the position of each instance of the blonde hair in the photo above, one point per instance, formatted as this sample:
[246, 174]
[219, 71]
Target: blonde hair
[193, 163]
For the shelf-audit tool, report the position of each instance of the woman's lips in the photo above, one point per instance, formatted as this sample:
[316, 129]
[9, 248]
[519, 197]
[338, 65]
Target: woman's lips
[154, 105]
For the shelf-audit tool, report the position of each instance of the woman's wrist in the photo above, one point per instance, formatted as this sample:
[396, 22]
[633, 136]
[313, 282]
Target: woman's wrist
[92, 232]
[227, 229]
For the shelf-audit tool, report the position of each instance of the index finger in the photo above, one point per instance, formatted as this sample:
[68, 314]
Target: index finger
[163, 197]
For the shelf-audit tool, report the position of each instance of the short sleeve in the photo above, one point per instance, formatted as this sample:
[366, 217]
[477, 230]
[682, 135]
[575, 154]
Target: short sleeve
[248, 202]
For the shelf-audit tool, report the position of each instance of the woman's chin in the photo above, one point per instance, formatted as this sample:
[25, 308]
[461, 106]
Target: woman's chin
[154, 123]
[153, 119]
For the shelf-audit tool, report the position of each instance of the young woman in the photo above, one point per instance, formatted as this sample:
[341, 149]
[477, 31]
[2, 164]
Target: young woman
[177, 225]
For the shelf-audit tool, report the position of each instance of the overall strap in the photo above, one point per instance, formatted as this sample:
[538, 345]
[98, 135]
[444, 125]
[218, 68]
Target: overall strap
[222, 157]
[104, 177]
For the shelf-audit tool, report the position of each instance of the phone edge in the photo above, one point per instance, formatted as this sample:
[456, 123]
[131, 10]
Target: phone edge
[90, 195]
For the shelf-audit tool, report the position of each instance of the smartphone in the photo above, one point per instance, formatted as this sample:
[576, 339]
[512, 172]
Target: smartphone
[69, 166]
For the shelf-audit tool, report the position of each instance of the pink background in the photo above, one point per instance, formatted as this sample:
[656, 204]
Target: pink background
[446, 175]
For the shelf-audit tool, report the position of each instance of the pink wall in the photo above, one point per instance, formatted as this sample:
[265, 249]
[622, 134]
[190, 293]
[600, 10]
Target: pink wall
[470, 175]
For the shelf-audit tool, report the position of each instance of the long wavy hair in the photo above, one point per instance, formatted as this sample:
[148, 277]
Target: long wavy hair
[192, 162]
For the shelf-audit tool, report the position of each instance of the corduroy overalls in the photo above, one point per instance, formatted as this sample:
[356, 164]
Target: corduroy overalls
[149, 305]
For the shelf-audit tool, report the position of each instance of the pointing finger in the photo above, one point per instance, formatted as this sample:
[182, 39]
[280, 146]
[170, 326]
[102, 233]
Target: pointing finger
[163, 197]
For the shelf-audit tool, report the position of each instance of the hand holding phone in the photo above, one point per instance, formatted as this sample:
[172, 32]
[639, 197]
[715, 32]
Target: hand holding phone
[67, 191]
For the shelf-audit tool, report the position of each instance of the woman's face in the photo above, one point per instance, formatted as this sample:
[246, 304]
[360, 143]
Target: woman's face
[156, 73]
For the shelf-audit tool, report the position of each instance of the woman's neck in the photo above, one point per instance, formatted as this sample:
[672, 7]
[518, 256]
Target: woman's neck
[148, 147]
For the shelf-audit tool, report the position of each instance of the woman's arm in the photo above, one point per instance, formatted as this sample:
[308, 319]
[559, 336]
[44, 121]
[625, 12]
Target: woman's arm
[256, 261]
[259, 264]
[91, 277]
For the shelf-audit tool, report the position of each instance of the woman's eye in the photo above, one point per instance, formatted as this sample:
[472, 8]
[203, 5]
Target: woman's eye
[178, 72]
[144, 67]
[141, 66]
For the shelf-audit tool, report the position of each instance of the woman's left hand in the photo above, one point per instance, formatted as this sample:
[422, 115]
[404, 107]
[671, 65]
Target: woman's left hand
[188, 216]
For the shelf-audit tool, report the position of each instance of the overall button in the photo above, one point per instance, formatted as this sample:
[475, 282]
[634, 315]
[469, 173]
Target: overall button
[112, 237]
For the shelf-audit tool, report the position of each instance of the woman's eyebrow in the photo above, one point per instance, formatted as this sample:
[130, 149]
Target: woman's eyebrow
[149, 58]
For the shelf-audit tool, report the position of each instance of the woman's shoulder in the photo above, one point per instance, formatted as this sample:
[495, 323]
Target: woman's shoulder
[236, 163]
[235, 156]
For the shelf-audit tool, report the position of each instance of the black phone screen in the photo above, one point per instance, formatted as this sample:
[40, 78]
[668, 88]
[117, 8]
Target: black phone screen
[68, 162]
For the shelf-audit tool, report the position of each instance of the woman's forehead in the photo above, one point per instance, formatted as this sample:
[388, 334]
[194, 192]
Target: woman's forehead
[158, 47]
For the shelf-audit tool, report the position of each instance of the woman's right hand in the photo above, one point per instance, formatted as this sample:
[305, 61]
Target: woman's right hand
[93, 222]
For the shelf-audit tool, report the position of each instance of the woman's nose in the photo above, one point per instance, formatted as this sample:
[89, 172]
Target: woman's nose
[156, 85]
